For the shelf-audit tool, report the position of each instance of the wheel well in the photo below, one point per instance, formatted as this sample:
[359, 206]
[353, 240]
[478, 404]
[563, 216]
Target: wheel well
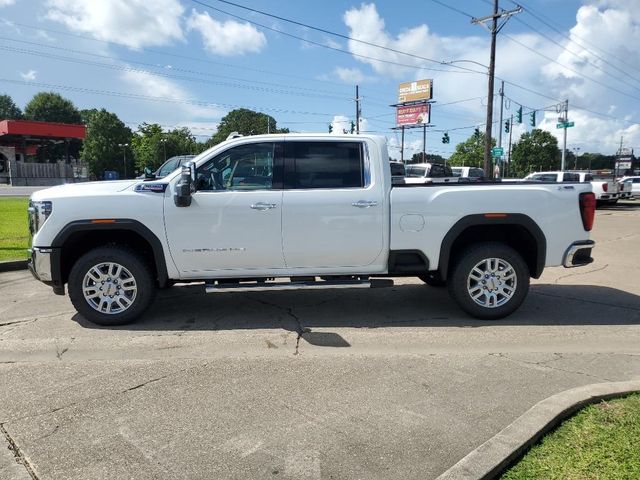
[516, 236]
[79, 243]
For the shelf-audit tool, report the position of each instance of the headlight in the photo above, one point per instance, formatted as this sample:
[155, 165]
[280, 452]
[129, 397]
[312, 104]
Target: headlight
[38, 212]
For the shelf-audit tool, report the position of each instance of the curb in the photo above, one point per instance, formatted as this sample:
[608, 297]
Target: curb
[491, 459]
[13, 266]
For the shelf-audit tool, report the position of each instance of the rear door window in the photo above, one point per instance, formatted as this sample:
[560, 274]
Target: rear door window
[570, 177]
[311, 165]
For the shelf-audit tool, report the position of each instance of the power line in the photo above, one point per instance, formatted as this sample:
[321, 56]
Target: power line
[168, 54]
[157, 99]
[328, 32]
[549, 23]
[571, 69]
[597, 67]
[125, 68]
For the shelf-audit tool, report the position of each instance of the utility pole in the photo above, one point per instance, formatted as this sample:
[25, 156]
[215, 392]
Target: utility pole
[565, 119]
[357, 111]
[501, 112]
[509, 151]
[494, 30]
[124, 156]
[424, 143]
[402, 145]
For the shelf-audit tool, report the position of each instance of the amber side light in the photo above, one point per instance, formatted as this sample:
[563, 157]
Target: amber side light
[103, 220]
[495, 215]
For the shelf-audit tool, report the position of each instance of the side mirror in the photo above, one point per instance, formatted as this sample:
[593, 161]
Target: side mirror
[185, 186]
[148, 173]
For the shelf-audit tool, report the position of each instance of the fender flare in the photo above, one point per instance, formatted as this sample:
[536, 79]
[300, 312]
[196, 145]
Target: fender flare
[480, 219]
[117, 224]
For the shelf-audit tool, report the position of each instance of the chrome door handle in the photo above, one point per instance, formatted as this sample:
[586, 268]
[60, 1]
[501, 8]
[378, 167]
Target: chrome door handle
[263, 206]
[365, 204]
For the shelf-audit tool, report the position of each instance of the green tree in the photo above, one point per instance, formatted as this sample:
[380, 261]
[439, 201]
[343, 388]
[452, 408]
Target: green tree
[152, 146]
[429, 157]
[536, 150]
[8, 109]
[245, 122]
[470, 153]
[101, 150]
[52, 107]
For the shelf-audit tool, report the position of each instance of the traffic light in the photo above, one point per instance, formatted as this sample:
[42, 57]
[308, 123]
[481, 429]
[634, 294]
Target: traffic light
[533, 119]
[519, 115]
[476, 133]
[353, 127]
[506, 126]
[445, 138]
[330, 127]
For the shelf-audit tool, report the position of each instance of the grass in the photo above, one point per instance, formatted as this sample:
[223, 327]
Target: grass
[14, 232]
[601, 442]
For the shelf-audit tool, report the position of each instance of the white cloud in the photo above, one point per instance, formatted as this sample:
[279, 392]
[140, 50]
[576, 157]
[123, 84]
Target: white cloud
[6, 3]
[226, 38]
[135, 23]
[349, 75]
[29, 76]
[178, 99]
[341, 124]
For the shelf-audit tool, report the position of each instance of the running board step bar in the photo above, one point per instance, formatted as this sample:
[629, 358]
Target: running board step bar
[312, 285]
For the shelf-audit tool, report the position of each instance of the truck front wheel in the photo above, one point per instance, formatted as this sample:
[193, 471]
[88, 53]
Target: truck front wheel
[489, 280]
[111, 285]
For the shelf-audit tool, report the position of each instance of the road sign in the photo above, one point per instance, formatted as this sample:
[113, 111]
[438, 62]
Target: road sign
[565, 124]
[497, 151]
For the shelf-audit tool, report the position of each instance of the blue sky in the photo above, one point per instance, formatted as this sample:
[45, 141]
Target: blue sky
[180, 63]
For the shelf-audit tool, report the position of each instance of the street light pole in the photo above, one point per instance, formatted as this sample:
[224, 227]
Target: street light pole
[124, 156]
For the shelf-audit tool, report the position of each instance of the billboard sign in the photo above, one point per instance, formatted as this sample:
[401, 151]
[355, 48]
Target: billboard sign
[420, 90]
[413, 115]
[625, 165]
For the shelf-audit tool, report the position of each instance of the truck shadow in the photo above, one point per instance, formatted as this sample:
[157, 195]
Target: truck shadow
[622, 206]
[186, 308]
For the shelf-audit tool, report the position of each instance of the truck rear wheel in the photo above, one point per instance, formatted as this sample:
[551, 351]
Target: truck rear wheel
[111, 285]
[489, 280]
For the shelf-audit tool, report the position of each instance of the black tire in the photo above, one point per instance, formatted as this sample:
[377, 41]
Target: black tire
[433, 279]
[134, 267]
[462, 283]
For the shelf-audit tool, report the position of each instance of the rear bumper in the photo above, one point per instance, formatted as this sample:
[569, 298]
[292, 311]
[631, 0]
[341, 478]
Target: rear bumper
[578, 254]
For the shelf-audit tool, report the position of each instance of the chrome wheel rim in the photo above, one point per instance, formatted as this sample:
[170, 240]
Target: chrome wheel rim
[492, 282]
[109, 288]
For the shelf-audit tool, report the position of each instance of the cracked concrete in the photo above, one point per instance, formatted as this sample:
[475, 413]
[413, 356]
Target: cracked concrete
[387, 383]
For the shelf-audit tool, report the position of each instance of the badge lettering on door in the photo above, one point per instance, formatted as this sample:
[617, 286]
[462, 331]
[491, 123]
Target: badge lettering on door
[213, 250]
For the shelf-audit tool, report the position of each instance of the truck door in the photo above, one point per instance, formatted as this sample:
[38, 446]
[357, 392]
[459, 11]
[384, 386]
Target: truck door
[234, 221]
[333, 213]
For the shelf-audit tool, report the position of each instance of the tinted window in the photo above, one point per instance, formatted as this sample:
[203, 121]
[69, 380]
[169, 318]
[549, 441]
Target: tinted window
[456, 171]
[324, 165]
[588, 178]
[397, 169]
[437, 170]
[476, 172]
[570, 177]
[245, 167]
[544, 177]
[636, 180]
[168, 167]
[414, 171]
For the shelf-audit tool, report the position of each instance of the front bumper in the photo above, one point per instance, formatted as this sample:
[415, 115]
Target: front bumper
[41, 265]
[578, 254]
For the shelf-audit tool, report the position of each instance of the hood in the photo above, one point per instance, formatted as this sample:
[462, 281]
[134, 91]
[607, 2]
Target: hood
[84, 189]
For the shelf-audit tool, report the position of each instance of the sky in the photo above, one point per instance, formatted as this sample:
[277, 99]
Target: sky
[189, 62]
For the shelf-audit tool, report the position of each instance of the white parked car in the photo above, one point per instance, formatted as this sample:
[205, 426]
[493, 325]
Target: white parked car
[429, 173]
[301, 211]
[635, 185]
[605, 190]
[470, 173]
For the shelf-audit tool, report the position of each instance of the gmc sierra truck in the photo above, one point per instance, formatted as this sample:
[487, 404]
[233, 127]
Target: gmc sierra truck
[301, 211]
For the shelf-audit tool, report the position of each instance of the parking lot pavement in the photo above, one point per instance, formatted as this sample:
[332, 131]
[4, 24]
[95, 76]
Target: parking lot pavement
[379, 384]
[9, 191]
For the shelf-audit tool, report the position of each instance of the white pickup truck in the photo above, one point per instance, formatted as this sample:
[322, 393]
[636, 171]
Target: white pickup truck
[275, 212]
[605, 190]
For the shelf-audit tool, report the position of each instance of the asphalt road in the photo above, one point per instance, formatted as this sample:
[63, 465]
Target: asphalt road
[381, 384]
